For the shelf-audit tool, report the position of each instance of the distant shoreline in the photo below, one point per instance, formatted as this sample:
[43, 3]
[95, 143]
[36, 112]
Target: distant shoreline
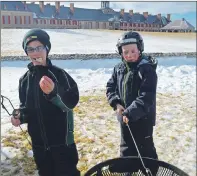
[97, 56]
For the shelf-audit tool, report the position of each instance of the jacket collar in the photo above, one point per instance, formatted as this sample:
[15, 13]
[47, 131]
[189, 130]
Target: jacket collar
[131, 65]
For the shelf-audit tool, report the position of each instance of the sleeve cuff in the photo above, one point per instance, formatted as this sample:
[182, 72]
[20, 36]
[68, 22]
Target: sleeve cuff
[126, 113]
[114, 103]
[23, 117]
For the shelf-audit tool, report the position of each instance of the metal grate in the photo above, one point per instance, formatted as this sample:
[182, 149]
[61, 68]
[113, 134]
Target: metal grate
[132, 166]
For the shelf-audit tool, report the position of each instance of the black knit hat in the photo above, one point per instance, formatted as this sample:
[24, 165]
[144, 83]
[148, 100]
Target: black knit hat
[37, 34]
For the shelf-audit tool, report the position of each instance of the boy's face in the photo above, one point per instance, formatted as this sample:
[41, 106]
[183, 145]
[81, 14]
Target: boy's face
[37, 53]
[130, 52]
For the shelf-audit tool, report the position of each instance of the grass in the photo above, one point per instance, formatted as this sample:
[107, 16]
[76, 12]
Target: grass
[89, 104]
[27, 164]
[21, 162]
[92, 104]
[83, 140]
[92, 151]
[14, 140]
[8, 143]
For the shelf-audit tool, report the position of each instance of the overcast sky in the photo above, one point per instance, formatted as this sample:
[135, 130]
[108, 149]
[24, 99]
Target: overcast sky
[152, 7]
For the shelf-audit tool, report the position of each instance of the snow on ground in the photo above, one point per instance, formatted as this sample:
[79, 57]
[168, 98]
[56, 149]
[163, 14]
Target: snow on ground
[68, 41]
[174, 74]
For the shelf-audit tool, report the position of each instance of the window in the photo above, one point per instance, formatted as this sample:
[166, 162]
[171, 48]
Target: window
[29, 20]
[74, 22]
[21, 20]
[3, 19]
[15, 19]
[104, 25]
[9, 21]
[6, 19]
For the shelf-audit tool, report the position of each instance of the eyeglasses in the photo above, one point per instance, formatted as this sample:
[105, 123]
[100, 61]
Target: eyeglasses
[37, 49]
[132, 53]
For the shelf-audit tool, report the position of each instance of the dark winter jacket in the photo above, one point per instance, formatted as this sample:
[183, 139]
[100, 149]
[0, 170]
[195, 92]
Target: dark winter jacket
[48, 125]
[133, 85]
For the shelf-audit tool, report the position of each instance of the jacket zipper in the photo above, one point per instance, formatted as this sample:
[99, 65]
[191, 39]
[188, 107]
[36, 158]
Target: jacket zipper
[124, 89]
[43, 133]
[66, 119]
[66, 112]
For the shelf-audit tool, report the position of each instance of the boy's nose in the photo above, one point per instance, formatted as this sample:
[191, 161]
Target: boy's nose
[130, 55]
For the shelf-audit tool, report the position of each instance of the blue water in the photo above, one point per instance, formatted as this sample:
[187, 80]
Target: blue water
[103, 63]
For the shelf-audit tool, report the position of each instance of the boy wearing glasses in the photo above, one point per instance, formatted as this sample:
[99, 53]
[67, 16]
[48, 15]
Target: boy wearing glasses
[131, 91]
[41, 89]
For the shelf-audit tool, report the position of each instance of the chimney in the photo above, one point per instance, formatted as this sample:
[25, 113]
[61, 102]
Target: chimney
[159, 16]
[131, 12]
[122, 12]
[41, 4]
[72, 7]
[57, 6]
[104, 4]
[168, 17]
[145, 14]
[25, 5]
[107, 4]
